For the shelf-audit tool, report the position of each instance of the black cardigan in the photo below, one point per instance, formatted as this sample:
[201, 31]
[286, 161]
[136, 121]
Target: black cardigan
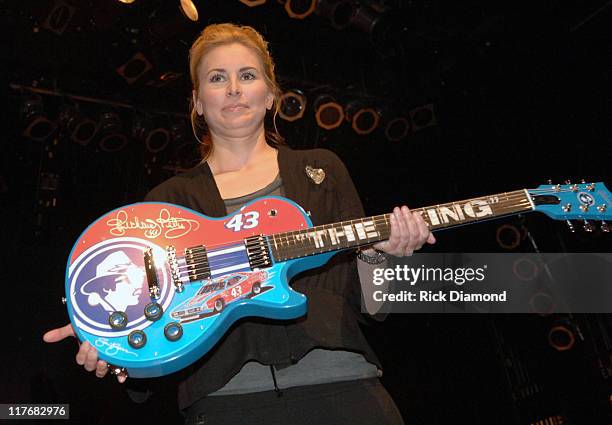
[333, 290]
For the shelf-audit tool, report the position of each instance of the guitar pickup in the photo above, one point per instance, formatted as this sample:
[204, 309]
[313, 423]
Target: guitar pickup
[151, 273]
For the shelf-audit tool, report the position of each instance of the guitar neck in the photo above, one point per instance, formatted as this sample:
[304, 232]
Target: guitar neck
[364, 231]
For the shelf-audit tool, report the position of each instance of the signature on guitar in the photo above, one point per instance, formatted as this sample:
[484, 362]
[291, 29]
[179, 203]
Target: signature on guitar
[172, 227]
[112, 348]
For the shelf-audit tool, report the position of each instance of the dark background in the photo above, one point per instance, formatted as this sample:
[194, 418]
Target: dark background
[520, 93]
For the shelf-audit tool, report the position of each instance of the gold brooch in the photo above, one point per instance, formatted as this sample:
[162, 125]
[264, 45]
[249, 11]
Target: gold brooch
[316, 174]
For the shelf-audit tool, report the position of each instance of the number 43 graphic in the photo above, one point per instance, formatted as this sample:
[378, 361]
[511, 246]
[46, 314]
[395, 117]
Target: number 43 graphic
[241, 221]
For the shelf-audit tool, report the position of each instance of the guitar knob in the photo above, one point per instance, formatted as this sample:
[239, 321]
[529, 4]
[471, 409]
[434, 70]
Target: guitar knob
[137, 339]
[567, 207]
[588, 227]
[584, 208]
[153, 311]
[570, 226]
[602, 208]
[173, 331]
[604, 227]
[118, 320]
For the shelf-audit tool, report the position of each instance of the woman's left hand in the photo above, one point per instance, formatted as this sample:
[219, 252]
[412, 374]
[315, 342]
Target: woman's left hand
[409, 233]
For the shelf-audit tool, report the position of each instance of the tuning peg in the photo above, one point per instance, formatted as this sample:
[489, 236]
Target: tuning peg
[588, 227]
[549, 181]
[568, 182]
[604, 227]
[570, 226]
[583, 181]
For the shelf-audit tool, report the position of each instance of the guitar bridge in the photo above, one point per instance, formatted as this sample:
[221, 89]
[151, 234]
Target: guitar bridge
[258, 252]
[196, 259]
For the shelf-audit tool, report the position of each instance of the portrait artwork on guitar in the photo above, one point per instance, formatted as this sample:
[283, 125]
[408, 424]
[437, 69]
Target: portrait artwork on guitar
[153, 286]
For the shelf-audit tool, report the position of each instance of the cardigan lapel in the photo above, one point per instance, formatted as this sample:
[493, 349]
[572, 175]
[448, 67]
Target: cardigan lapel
[290, 168]
[214, 205]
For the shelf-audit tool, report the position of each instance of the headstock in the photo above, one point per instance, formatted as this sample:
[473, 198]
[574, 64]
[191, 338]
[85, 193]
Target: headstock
[583, 201]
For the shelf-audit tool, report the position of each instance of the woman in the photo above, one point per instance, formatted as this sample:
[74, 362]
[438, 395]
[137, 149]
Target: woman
[320, 364]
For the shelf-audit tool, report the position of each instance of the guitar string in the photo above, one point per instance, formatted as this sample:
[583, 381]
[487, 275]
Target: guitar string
[240, 241]
[377, 220]
[289, 237]
[518, 194]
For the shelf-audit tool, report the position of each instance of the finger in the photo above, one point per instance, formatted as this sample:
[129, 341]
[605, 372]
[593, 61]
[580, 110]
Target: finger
[404, 231]
[394, 235]
[381, 246]
[431, 239]
[101, 369]
[55, 335]
[91, 360]
[121, 377]
[413, 231]
[82, 354]
[423, 230]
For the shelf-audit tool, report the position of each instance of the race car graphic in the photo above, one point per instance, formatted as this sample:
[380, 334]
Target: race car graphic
[216, 294]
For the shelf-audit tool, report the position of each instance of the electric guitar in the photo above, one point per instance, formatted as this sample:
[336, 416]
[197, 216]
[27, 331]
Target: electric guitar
[153, 286]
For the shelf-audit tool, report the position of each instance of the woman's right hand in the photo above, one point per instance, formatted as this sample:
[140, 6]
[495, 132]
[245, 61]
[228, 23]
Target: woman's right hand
[87, 355]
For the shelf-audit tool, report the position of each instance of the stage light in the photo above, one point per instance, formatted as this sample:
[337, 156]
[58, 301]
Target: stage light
[58, 19]
[300, 9]
[253, 3]
[561, 337]
[397, 128]
[363, 119]
[329, 114]
[126, 1]
[135, 68]
[185, 149]
[38, 126]
[508, 236]
[112, 138]
[384, 27]
[81, 129]
[422, 117]
[154, 137]
[292, 105]
[189, 10]
[338, 13]
[157, 140]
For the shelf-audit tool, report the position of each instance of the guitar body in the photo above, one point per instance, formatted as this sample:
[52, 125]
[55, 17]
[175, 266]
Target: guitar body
[199, 294]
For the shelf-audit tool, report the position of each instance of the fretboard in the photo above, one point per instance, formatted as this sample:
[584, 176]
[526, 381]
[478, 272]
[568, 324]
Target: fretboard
[364, 231]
